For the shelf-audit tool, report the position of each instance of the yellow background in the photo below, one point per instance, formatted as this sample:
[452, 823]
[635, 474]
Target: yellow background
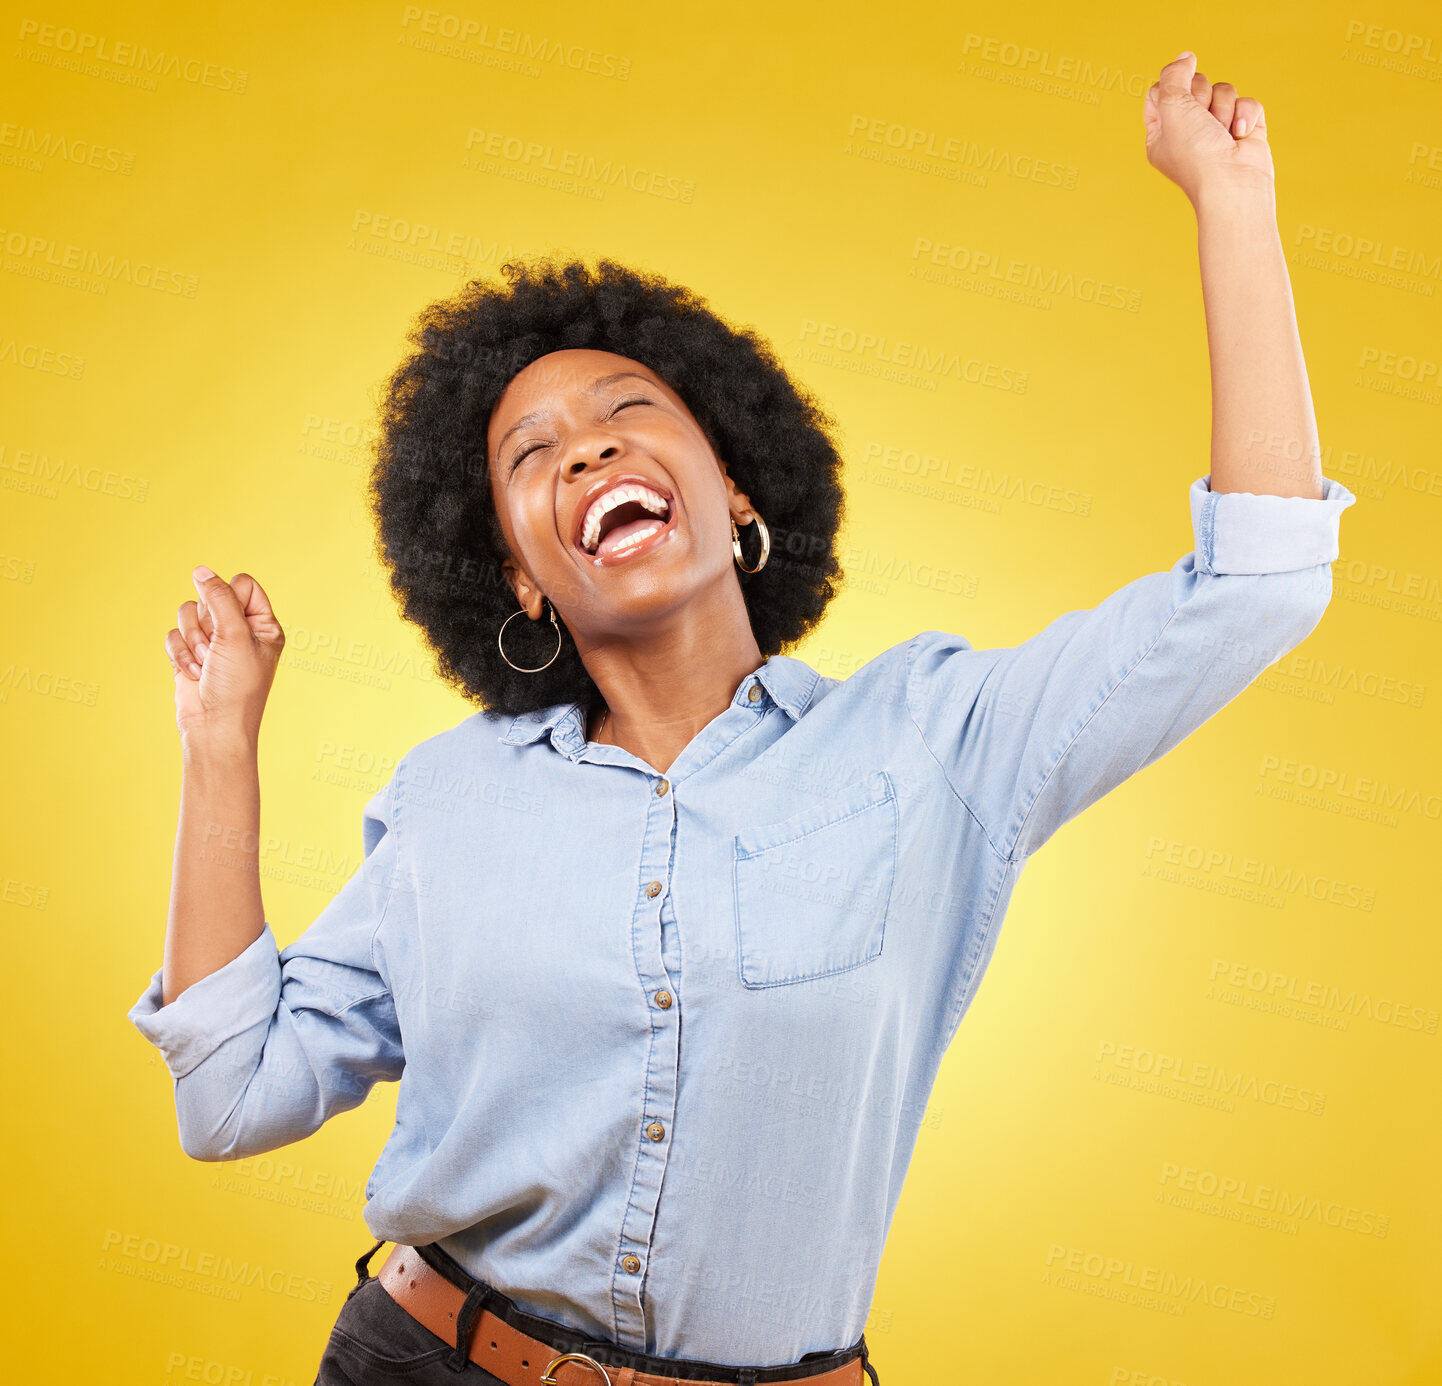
[226, 424]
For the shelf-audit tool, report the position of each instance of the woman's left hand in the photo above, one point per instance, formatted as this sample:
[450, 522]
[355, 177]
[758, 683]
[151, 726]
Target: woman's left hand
[1200, 135]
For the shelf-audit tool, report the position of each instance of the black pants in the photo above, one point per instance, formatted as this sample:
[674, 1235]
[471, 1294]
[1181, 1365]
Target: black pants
[374, 1340]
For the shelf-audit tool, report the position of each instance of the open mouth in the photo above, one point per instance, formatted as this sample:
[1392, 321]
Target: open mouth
[626, 521]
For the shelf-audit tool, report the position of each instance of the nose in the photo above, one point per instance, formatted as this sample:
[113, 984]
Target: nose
[590, 450]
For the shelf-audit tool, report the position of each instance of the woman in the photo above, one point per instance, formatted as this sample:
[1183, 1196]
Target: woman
[667, 943]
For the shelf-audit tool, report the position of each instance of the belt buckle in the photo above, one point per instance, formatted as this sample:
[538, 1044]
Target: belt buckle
[573, 1357]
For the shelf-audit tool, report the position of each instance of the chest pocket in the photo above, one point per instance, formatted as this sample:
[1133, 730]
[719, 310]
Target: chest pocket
[812, 891]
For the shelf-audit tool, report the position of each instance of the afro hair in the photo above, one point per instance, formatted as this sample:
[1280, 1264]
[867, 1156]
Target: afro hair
[429, 489]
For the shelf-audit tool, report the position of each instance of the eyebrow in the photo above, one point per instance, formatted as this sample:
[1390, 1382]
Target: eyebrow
[595, 387]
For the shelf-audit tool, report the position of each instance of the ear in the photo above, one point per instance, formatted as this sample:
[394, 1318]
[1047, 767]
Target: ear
[530, 597]
[737, 501]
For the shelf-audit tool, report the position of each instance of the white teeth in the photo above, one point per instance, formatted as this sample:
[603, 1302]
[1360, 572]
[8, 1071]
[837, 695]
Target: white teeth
[633, 540]
[618, 495]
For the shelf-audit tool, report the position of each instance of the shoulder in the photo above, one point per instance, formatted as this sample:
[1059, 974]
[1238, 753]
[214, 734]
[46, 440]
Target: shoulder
[444, 774]
[885, 677]
[461, 747]
[895, 663]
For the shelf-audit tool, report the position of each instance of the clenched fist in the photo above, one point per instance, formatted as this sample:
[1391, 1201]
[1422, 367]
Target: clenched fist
[1201, 135]
[224, 654]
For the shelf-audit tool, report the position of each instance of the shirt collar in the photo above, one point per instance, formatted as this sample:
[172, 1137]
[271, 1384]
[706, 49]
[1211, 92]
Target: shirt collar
[786, 682]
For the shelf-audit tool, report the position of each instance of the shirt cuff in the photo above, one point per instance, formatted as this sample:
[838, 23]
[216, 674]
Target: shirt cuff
[219, 1006]
[1242, 532]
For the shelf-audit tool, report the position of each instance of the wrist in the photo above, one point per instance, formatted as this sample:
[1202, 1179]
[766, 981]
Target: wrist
[1246, 199]
[209, 745]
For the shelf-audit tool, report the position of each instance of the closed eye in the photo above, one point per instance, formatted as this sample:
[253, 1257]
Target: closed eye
[523, 454]
[615, 409]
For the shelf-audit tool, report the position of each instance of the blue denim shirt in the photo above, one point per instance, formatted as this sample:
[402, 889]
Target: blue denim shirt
[665, 1042]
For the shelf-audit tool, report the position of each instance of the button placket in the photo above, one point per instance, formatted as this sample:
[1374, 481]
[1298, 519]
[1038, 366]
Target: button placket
[659, 1088]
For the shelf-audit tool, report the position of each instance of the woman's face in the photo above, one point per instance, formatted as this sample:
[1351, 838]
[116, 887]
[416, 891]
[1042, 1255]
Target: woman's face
[568, 430]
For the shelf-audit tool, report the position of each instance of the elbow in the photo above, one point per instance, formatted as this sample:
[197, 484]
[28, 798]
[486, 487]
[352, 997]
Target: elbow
[207, 1111]
[204, 1134]
[1258, 618]
[210, 1121]
[1272, 613]
[200, 1148]
[217, 1126]
[216, 1145]
[1305, 596]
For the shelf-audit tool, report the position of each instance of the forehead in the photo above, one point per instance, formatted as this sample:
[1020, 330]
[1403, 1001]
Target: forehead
[549, 380]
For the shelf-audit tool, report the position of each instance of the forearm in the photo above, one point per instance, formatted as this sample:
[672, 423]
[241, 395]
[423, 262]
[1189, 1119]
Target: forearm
[1264, 430]
[216, 910]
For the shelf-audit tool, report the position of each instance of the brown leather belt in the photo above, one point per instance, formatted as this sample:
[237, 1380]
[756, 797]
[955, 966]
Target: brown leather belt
[517, 1358]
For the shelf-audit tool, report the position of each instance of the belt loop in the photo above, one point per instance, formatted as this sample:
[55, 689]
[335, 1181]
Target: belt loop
[466, 1320]
[746, 1376]
[362, 1265]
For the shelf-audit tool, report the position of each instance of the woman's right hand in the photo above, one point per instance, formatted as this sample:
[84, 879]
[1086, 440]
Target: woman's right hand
[224, 653]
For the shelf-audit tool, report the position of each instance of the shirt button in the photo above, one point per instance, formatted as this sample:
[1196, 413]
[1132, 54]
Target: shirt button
[655, 1130]
[661, 788]
[755, 693]
[654, 889]
[631, 1264]
[663, 999]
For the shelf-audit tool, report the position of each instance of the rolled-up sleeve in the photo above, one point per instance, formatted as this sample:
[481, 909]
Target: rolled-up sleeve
[1028, 736]
[278, 1040]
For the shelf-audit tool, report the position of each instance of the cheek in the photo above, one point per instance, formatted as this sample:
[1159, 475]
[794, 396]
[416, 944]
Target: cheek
[708, 498]
[503, 520]
[532, 514]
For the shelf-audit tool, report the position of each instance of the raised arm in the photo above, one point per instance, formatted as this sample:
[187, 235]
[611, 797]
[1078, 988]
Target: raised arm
[223, 653]
[1213, 144]
[1028, 736]
[264, 1043]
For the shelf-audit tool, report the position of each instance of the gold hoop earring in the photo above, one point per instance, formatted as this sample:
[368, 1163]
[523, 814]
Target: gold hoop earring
[765, 543]
[500, 633]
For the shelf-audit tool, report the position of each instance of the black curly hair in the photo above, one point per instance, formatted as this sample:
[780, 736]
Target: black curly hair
[429, 490]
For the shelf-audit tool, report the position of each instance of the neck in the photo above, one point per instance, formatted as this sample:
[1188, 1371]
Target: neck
[663, 685]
